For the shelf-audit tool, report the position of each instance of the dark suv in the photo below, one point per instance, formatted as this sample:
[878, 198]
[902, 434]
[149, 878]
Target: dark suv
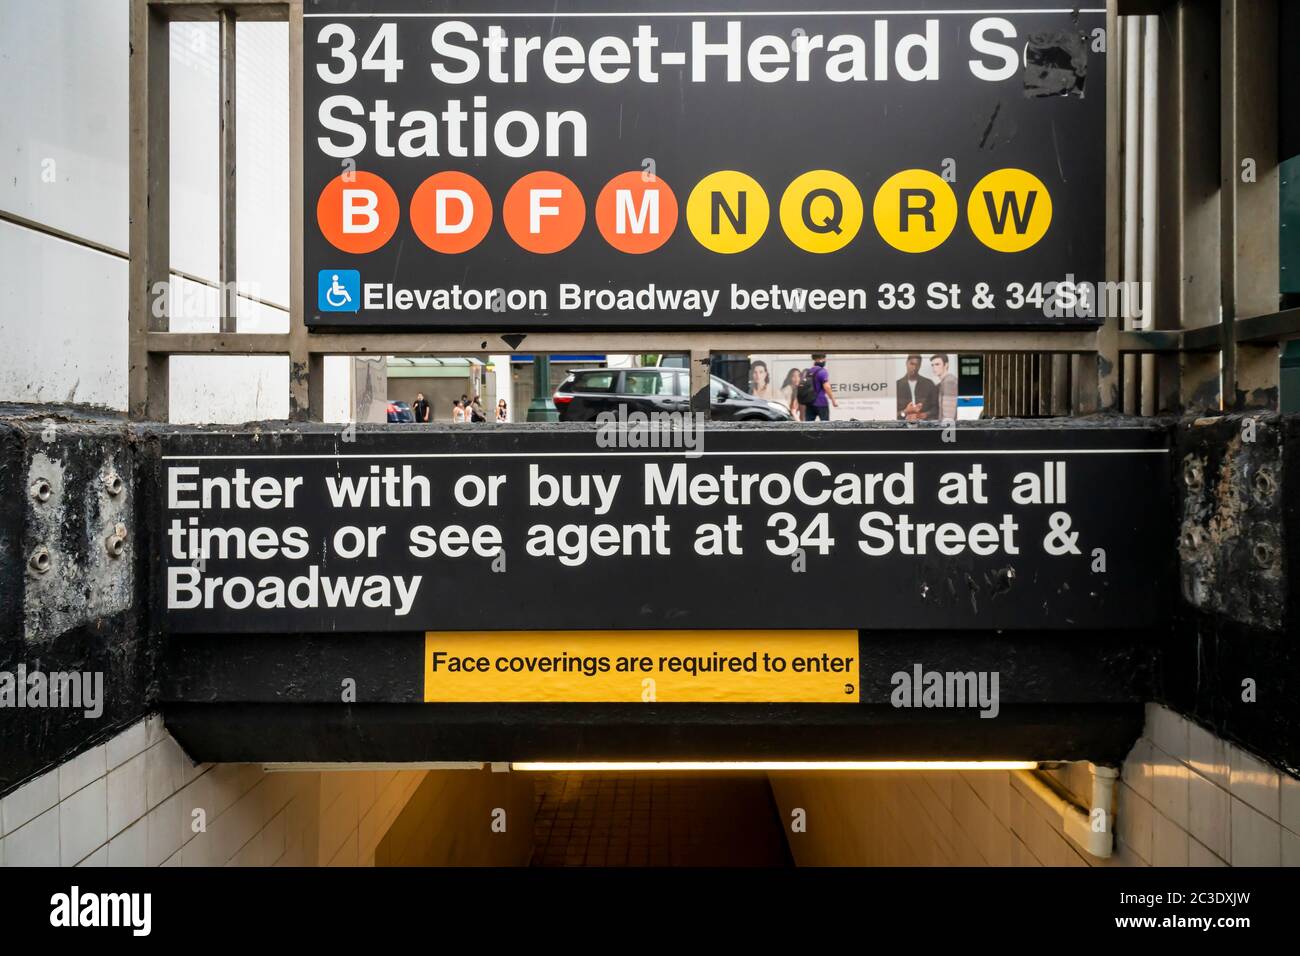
[589, 391]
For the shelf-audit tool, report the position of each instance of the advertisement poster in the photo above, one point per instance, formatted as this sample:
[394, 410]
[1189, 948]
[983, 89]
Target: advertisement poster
[867, 388]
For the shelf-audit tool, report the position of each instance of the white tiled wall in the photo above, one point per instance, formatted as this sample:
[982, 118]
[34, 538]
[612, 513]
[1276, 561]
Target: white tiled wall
[357, 808]
[1192, 798]
[132, 802]
[1185, 798]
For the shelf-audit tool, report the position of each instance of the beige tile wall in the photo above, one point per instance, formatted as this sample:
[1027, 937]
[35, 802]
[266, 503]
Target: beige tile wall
[984, 818]
[449, 821]
[1185, 797]
[137, 800]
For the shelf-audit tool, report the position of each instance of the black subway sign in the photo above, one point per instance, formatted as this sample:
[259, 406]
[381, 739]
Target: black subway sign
[582, 164]
[893, 528]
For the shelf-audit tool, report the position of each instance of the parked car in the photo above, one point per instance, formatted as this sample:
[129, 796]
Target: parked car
[400, 411]
[589, 391]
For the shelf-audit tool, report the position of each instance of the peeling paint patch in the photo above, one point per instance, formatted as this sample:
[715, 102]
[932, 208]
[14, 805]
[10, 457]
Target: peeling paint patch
[1206, 394]
[1056, 64]
[1231, 546]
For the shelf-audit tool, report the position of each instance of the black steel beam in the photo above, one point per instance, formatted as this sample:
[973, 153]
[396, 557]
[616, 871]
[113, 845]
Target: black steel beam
[379, 733]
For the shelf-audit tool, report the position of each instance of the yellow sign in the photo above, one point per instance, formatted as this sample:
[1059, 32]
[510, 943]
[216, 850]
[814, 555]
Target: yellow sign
[755, 667]
[821, 211]
[1009, 210]
[915, 210]
[727, 212]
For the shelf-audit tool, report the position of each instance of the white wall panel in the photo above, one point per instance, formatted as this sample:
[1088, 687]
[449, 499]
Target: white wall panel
[192, 306]
[195, 134]
[262, 158]
[229, 389]
[338, 388]
[63, 70]
[257, 317]
[63, 332]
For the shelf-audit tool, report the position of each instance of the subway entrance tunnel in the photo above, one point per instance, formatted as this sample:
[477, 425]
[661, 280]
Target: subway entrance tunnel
[1092, 744]
[274, 816]
[724, 818]
[648, 819]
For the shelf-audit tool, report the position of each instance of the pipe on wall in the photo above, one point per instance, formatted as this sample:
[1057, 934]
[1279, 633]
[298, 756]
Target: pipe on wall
[1091, 829]
[1131, 44]
[1150, 190]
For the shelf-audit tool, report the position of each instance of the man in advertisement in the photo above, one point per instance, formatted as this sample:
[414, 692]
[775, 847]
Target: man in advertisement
[862, 385]
[947, 387]
[918, 397]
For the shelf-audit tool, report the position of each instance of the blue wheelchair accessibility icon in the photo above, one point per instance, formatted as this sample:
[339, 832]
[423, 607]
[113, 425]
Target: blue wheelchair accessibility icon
[338, 290]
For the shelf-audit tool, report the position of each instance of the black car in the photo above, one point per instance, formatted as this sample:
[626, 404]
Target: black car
[589, 391]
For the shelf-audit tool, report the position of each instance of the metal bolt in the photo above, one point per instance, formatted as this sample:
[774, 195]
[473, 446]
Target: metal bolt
[115, 543]
[1265, 484]
[113, 483]
[42, 489]
[1192, 474]
[40, 561]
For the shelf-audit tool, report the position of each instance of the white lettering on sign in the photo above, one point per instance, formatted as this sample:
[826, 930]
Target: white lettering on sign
[443, 225]
[360, 213]
[536, 210]
[337, 540]
[728, 52]
[649, 210]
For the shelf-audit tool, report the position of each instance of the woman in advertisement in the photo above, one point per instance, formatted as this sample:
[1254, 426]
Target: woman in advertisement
[790, 393]
[760, 380]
